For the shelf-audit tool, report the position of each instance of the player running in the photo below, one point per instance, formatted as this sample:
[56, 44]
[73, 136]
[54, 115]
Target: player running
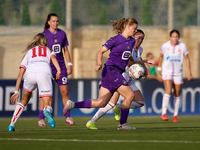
[120, 47]
[138, 100]
[35, 67]
[171, 71]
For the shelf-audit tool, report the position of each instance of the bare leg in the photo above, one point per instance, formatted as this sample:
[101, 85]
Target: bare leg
[65, 98]
[128, 95]
[102, 111]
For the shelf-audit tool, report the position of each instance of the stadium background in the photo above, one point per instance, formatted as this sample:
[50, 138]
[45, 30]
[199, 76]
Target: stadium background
[88, 25]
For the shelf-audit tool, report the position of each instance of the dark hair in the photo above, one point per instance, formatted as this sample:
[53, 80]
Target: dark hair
[139, 31]
[46, 25]
[119, 25]
[174, 31]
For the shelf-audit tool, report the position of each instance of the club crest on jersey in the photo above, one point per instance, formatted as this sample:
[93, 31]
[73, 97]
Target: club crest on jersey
[128, 47]
[55, 40]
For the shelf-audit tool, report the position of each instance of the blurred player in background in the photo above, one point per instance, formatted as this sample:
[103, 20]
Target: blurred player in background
[57, 40]
[36, 66]
[172, 75]
[151, 68]
[112, 80]
[138, 100]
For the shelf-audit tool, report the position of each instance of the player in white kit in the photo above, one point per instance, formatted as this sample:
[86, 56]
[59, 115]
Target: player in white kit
[138, 101]
[173, 52]
[36, 69]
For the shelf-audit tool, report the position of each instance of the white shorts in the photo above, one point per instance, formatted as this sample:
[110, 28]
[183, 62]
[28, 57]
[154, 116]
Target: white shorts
[177, 79]
[41, 80]
[130, 81]
[134, 87]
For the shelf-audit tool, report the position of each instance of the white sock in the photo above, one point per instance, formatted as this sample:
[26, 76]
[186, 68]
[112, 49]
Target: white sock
[49, 109]
[101, 112]
[136, 104]
[17, 113]
[176, 105]
[165, 102]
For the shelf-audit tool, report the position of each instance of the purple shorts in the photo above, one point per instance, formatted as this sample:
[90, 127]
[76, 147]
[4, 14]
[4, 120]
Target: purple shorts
[111, 78]
[64, 76]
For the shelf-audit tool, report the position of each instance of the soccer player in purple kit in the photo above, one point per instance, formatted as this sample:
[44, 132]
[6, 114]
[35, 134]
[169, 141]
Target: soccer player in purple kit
[57, 40]
[120, 47]
[139, 100]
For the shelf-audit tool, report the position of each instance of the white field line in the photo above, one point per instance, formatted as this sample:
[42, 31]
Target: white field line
[50, 129]
[108, 141]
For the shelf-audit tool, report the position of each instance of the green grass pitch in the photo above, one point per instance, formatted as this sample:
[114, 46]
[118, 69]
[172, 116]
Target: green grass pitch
[151, 134]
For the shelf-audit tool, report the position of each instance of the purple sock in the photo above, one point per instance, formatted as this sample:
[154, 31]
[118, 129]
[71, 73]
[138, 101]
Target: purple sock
[41, 115]
[84, 104]
[124, 115]
[67, 114]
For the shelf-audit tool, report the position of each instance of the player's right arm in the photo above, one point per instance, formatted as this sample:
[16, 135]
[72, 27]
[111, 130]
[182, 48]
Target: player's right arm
[15, 96]
[102, 50]
[55, 62]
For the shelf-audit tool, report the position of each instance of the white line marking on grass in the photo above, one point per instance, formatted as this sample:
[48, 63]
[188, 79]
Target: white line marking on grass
[109, 141]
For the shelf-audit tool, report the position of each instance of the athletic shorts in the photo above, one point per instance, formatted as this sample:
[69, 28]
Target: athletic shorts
[134, 87]
[111, 78]
[130, 81]
[64, 76]
[177, 79]
[41, 80]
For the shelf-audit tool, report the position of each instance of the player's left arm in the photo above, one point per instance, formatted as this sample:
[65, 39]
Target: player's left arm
[189, 74]
[69, 63]
[142, 61]
[100, 53]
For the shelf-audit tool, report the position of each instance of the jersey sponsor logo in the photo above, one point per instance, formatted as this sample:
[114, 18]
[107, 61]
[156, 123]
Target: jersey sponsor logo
[173, 60]
[126, 55]
[46, 91]
[56, 48]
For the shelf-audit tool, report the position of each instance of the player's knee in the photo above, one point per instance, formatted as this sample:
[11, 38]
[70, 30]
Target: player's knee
[64, 93]
[130, 97]
[100, 103]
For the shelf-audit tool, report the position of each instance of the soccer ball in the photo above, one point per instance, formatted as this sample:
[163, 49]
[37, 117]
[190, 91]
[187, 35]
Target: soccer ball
[136, 71]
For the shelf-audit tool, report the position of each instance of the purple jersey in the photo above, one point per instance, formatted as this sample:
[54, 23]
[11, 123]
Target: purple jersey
[56, 42]
[120, 50]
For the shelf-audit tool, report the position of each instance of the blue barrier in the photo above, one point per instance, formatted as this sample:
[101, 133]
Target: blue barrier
[7, 88]
[152, 90]
[82, 89]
